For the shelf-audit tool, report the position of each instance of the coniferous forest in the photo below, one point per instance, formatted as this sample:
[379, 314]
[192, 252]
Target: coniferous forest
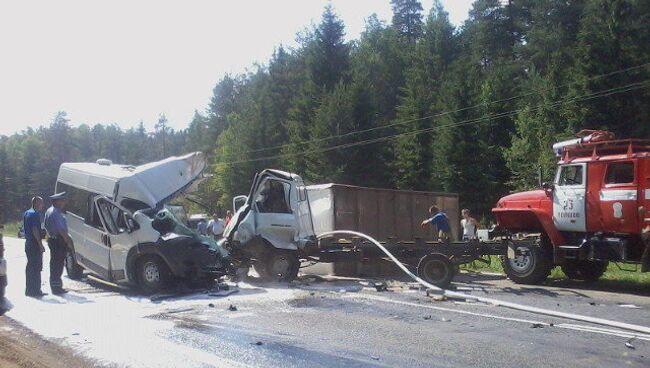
[414, 103]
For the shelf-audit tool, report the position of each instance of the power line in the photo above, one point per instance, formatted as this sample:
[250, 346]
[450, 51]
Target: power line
[625, 70]
[598, 94]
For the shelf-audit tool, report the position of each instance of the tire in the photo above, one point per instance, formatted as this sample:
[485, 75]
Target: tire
[72, 268]
[532, 268]
[278, 265]
[153, 274]
[584, 270]
[436, 269]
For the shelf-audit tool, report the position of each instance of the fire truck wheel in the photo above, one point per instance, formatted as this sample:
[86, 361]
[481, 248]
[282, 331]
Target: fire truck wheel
[531, 265]
[584, 270]
[436, 269]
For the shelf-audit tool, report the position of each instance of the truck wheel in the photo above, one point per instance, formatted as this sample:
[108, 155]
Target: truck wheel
[436, 269]
[532, 266]
[279, 265]
[153, 274]
[584, 270]
[72, 268]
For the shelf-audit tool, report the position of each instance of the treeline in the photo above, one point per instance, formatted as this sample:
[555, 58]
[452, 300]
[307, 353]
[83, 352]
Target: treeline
[417, 103]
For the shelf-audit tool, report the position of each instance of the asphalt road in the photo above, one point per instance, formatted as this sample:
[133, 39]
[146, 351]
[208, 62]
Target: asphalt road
[333, 322]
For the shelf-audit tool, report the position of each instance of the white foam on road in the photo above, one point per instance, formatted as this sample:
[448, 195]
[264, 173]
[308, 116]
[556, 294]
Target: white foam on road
[113, 327]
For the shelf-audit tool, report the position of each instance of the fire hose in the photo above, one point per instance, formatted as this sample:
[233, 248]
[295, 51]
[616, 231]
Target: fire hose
[491, 301]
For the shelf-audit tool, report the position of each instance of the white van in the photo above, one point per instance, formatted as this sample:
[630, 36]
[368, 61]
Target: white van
[120, 227]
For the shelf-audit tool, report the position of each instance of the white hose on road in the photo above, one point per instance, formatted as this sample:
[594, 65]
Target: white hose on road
[495, 302]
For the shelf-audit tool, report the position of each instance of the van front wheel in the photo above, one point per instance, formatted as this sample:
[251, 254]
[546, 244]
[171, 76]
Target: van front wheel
[153, 274]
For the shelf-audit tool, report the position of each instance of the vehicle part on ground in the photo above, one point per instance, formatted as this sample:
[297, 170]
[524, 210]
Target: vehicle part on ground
[436, 269]
[153, 274]
[495, 302]
[282, 265]
[584, 270]
[528, 264]
[72, 268]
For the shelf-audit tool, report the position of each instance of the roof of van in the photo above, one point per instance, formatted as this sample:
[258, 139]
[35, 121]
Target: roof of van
[150, 183]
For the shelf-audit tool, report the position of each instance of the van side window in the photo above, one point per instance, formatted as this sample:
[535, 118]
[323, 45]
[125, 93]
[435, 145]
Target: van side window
[570, 175]
[274, 197]
[113, 217]
[620, 173]
[76, 202]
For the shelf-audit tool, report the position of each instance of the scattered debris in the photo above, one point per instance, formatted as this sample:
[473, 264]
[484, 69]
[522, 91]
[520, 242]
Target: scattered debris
[211, 305]
[374, 357]
[629, 345]
[232, 308]
[537, 325]
[445, 319]
[312, 293]
[592, 303]
[258, 343]
[427, 317]
[381, 286]
[75, 334]
[342, 291]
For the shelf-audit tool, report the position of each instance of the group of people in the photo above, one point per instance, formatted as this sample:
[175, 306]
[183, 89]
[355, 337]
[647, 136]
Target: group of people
[215, 227]
[53, 225]
[439, 219]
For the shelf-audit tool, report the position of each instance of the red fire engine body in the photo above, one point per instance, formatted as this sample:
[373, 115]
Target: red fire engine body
[597, 210]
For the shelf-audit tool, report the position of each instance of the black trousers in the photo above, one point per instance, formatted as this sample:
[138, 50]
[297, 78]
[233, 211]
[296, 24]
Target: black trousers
[57, 259]
[33, 269]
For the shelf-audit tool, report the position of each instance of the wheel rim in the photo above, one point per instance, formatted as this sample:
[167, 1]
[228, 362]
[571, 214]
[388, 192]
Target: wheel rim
[522, 262]
[280, 265]
[435, 271]
[151, 272]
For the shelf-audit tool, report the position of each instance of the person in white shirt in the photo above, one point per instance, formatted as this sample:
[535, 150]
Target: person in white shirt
[469, 225]
[216, 227]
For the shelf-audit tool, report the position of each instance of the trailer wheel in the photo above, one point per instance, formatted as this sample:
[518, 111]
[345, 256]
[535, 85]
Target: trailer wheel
[584, 270]
[532, 265]
[153, 274]
[72, 268]
[436, 269]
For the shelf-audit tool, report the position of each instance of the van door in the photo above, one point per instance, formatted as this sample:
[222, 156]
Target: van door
[620, 199]
[274, 217]
[94, 254]
[120, 226]
[569, 204]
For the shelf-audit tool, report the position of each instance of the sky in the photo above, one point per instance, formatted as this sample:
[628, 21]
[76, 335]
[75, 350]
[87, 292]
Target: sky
[125, 61]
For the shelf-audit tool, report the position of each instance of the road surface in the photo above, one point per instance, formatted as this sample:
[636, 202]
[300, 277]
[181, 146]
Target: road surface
[329, 323]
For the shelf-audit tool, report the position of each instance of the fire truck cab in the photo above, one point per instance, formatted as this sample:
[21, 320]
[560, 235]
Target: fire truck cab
[596, 210]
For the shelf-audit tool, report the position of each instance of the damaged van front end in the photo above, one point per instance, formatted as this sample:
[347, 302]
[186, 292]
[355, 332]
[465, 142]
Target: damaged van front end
[124, 230]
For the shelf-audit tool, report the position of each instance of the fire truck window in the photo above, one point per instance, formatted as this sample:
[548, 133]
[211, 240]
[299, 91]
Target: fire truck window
[620, 173]
[571, 175]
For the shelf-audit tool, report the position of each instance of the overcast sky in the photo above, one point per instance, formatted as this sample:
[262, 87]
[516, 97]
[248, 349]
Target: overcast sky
[126, 61]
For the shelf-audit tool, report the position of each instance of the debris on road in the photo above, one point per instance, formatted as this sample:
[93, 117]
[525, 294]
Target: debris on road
[232, 308]
[537, 325]
[632, 306]
[381, 286]
[629, 345]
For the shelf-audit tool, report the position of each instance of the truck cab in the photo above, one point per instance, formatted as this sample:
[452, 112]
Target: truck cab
[596, 210]
[273, 228]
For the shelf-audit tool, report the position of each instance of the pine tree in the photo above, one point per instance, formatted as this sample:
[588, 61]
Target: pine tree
[407, 18]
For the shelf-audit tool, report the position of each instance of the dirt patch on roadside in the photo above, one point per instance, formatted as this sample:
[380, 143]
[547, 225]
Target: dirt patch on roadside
[21, 348]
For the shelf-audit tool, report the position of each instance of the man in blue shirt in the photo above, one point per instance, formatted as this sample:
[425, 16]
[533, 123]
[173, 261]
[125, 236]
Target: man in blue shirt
[440, 220]
[57, 231]
[33, 248]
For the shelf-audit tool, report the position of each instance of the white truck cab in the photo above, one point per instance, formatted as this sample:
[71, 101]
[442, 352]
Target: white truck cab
[273, 227]
[122, 231]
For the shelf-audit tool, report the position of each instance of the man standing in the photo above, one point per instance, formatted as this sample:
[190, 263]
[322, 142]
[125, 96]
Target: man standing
[57, 230]
[216, 227]
[33, 248]
[440, 220]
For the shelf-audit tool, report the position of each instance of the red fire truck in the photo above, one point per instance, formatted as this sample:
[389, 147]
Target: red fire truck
[596, 211]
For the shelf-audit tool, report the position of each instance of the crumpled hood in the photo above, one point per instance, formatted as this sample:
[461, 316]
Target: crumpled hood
[157, 182]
